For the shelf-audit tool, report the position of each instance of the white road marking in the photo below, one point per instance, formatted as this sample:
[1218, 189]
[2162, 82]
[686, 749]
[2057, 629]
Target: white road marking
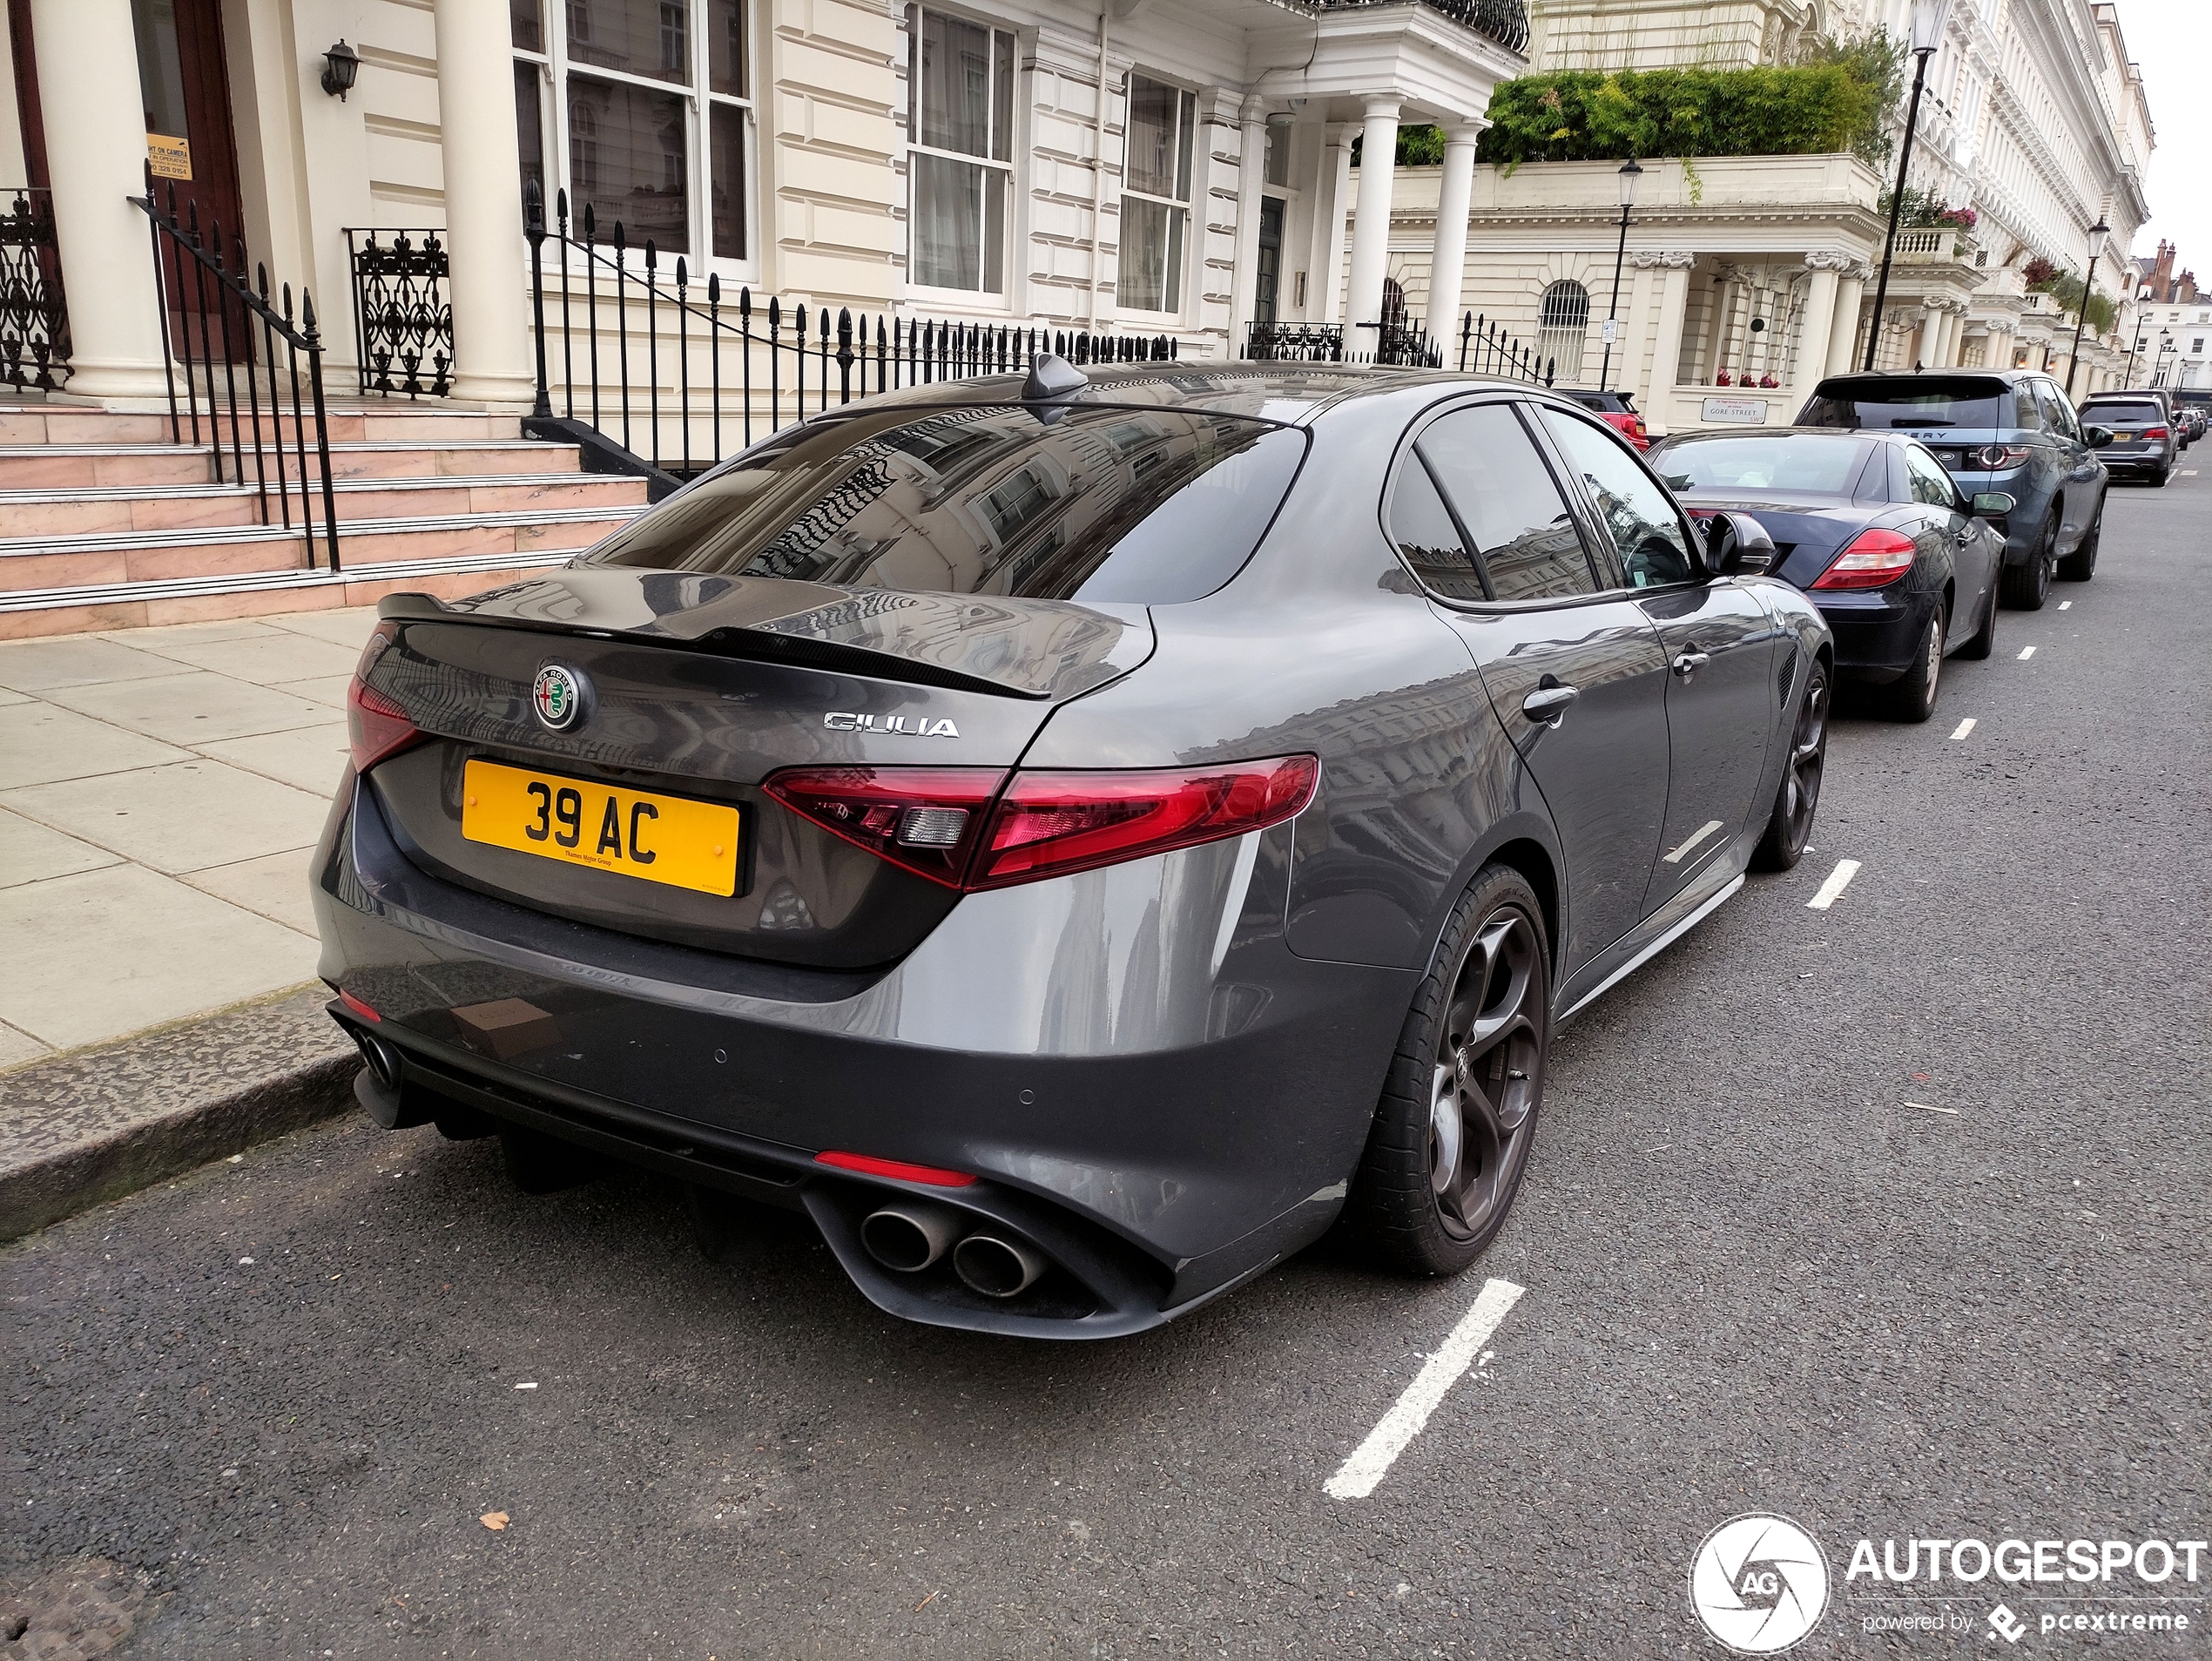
[1924, 1108]
[1706, 829]
[2065, 605]
[2026, 653]
[1963, 728]
[1838, 880]
[1357, 1477]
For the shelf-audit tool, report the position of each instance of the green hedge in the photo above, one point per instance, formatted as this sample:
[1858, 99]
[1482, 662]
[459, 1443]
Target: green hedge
[1584, 115]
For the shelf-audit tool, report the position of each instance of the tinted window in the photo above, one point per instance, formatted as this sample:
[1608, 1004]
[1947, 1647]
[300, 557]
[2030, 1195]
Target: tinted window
[2058, 413]
[1810, 462]
[1151, 506]
[1422, 527]
[2134, 412]
[1919, 401]
[1655, 549]
[1930, 484]
[1510, 503]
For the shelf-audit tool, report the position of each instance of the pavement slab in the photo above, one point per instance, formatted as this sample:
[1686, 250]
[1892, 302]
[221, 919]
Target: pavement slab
[308, 758]
[40, 743]
[267, 658]
[195, 707]
[78, 660]
[276, 886]
[31, 853]
[183, 817]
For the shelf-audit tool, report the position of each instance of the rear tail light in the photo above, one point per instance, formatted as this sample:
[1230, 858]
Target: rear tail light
[376, 725]
[2157, 432]
[956, 825]
[1875, 559]
[1998, 458]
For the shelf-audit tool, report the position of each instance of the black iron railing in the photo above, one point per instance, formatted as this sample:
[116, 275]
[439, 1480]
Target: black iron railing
[713, 373]
[1396, 346]
[34, 318]
[1485, 349]
[401, 316]
[211, 319]
[1503, 21]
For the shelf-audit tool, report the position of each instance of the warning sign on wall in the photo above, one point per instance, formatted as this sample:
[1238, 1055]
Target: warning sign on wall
[170, 157]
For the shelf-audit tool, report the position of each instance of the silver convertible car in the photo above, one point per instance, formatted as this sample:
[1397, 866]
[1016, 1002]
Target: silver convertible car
[1077, 838]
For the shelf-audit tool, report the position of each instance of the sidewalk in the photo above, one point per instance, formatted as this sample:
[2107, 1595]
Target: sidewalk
[160, 791]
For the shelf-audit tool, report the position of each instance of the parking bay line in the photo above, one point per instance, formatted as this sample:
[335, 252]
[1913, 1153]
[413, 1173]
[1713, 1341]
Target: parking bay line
[1963, 728]
[1357, 1477]
[2065, 605]
[2026, 653]
[1838, 880]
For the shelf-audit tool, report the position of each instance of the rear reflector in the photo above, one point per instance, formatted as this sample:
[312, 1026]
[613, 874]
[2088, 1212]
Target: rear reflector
[358, 1007]
[1875, 559]
[376, 725]
[971, 827]
[898, 1169]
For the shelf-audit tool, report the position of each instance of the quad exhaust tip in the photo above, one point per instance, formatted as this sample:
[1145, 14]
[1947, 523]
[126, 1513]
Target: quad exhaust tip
[996, 1267]
[383, 1060]
[909, 1237]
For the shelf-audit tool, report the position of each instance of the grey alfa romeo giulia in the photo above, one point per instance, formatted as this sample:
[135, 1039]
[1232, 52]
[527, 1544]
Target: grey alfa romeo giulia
[1078, 838]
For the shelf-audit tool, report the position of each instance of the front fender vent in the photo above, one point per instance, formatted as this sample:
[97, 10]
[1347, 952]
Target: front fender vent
[1788, 676]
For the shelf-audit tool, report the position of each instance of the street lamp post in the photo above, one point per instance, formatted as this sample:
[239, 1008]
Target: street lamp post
[1928, 18]
[2134, 346]
[2098, 233]
[1630, 174]
[2158, 364]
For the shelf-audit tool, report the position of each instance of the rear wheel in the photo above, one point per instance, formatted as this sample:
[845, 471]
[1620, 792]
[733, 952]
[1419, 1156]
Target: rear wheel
[2160, 476]
[1451, 1134]
[1790, 827]
[1912, 695]
[2082, 564]
[2025, 587]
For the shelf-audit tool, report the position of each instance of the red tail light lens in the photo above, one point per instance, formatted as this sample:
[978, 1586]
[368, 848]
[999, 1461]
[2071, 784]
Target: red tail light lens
[2157, 432]
[1052, 823]
[376, 725]
[955, 825]
[897, 1168]
[924, 819]
[1875, 559]
[1999, 458]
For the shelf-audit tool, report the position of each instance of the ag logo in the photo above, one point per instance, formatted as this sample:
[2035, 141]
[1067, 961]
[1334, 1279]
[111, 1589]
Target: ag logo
[557, 696]
[1759, 1583]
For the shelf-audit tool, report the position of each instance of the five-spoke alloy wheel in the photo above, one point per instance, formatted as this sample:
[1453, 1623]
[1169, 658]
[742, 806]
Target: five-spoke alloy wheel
[1790, 826]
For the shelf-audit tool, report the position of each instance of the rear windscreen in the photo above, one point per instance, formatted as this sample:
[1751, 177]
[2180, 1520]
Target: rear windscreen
[1147, 506]
[1802, 462]
[2134, 412]
[1922, 401]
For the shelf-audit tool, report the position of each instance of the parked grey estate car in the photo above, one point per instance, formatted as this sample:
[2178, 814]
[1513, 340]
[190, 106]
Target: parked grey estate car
[2146, 433]
[2010, 431]
[1076, 839]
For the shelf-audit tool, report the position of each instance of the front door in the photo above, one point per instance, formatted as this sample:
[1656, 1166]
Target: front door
[189, 144]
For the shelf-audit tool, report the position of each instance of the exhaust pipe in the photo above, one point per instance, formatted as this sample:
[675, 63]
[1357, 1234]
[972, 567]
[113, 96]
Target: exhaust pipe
[383, 1060]
[909, 1237]
[996, 1267]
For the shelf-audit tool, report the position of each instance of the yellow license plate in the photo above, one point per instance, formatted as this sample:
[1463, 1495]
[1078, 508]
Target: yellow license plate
[660, 839]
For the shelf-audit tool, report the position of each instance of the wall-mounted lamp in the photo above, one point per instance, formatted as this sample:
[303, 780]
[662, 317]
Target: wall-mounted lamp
[340, 65]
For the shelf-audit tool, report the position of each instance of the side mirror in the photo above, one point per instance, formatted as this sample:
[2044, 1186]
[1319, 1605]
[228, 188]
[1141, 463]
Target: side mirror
[2096, 437]
[1993, 505]
[1737, 545]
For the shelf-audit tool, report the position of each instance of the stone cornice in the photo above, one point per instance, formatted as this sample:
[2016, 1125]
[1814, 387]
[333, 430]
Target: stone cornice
[1663, 258]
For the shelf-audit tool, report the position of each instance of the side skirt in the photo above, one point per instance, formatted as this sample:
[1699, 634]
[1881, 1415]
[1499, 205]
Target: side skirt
[1668, 934]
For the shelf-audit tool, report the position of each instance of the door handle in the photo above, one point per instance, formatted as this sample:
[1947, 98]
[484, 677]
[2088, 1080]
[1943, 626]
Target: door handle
[1549, 702]
[1690, 662]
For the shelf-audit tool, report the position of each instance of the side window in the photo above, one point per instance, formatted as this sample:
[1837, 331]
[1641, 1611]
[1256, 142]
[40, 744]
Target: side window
[1508, 500]
[1642, 522]
[1422, 528]
[1930, 483]
[2058, 414]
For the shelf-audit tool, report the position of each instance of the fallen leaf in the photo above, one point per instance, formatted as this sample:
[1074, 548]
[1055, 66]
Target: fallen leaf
[925, 1603]
[494, 1520]
[1921, 1077]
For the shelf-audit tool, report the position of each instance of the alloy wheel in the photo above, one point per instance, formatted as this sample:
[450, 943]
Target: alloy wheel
[1488, 1073]
[1808, 759]
[1935, 658]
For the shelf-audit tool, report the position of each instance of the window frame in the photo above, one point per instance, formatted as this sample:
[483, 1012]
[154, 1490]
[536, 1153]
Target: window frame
[978, 299]
[554, 64]
[1176, 271]
[1594, 531]
[1570, 496]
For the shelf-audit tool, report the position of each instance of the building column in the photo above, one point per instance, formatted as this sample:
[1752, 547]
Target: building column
[1251, 173]
[1842, 327]
[1370, 228]
[1332, 263]
[1666, 345]
[1810, 360]
[484, 248]
[1447, 258]
[96, 156]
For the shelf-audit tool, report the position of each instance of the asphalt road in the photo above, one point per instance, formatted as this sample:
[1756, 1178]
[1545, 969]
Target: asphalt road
[278, 1396]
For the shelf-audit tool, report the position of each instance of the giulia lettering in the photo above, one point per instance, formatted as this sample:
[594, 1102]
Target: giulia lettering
[918, 726]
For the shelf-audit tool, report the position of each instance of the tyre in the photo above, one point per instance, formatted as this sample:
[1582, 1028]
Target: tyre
[538, 1163]
[1983, 641]
[2158, 479]
[2082, 564]
[1451, 1133]
[1912, 695]
[1789, 827]
[2025, 587]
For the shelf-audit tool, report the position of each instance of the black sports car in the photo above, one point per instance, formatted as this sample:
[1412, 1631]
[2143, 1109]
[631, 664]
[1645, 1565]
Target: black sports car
[1904, 568]
[1077, 839]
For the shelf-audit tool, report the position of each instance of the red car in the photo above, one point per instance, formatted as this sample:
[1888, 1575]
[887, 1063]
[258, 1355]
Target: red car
[1615, 410]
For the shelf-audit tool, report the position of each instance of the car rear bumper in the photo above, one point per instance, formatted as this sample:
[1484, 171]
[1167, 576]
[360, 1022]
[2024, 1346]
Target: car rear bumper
[1150, 1088]
[1877, 634]
[2145, 460]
